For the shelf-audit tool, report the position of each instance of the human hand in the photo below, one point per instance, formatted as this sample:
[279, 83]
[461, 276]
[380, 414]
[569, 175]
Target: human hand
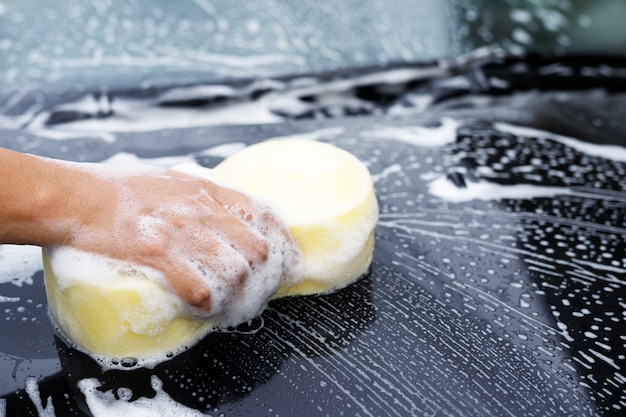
[202, 237]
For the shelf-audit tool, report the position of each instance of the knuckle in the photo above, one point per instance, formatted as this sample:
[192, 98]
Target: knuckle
[258, 251]
[262, 250]
[200, 297]
[240, 275]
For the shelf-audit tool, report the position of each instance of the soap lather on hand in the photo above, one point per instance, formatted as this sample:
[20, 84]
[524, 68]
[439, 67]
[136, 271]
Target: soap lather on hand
[190, 229]
[199, 235]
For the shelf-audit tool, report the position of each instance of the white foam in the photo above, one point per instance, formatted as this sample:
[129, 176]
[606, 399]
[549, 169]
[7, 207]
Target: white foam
[131, 160]
[330, 132]
[611, 152]
[125, 158]
[65, 134]
[390, 77]
[18, 264]
[418, 135]
[197, 92]
[143, 115]
[147, 114]
[232, 301]
[242, 303]
[391, 169]
[105, 404]
[72, 266]
[223, 151]
[32, 389]
[443, 188]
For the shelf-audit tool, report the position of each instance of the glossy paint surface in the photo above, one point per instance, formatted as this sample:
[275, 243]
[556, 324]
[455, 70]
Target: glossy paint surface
[498, 285]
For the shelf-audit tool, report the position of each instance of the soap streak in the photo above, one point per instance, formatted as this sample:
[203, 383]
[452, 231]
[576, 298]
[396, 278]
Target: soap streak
[574, 264]
[328, 376]
[611, 152]
[417, 135]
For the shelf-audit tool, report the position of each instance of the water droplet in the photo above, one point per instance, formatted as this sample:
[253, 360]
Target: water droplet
[124, 394]
[128, 362]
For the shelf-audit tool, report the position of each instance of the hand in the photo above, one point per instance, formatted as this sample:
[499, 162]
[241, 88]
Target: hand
[198, 234]
[202, 237]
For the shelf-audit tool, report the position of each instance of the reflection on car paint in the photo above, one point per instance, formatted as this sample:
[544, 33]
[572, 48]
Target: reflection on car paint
[502, 300]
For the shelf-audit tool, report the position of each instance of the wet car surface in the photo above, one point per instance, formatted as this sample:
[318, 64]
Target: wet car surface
[497, 286]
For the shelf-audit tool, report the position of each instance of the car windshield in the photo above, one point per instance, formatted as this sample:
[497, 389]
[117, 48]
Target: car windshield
[102, 44]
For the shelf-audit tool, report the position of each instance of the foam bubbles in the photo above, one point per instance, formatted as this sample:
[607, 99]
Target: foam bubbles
[443, 188]
[18, 263]
[32, 389]
[263, 279]
[418, 135]
[72, 266]
[239, 290]
[105, 404]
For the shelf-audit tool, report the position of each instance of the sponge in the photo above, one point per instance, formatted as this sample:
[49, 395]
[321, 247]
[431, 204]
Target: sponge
[326, 198]
[323, 194]
[117, 319]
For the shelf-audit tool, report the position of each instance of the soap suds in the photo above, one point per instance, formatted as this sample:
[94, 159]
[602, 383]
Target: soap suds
[105, 404]
[32, 389]
[73, 266]
[142, 115]
[443, 188]
[610, 152]
[418, 135]
[223, 151]
[330, 132]
[125, 158]
[18, 264]
[238, 290]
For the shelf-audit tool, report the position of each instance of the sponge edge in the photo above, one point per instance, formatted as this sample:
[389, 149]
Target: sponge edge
[326, 198]
[118, 318]
[324, 195]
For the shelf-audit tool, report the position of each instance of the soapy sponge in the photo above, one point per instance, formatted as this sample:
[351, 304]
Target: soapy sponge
[324, 195]
[326, 198]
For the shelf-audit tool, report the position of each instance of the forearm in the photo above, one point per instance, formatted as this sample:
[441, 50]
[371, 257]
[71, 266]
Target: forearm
[36, 198]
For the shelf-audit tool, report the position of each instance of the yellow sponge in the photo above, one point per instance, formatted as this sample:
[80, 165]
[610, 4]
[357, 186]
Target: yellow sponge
[119, 317]
[324, 195]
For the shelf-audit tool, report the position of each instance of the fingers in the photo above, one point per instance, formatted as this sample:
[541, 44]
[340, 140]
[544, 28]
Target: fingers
[250, 211]
[207, 283]
[192, 290]
[214, 261]
[240, 236]
[238, 223]
[213, 239]
[265, 221]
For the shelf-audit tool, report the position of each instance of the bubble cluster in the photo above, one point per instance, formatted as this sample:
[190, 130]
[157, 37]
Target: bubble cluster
[547, 214]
